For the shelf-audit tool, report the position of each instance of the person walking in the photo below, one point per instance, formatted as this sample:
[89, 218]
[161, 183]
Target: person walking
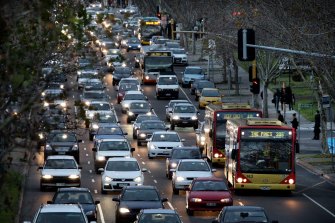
[281, 117]
[317, 125]
[276, 99]
[295, 122]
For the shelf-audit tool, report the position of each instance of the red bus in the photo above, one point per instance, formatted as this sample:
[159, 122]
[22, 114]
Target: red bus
[260, 154]
[214, 127]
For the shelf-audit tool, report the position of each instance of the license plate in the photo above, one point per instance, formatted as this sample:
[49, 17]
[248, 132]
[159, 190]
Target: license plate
[62, 149]
[168, 94]
[265, 188]
[60, 184]
[122, 185]
[165, 152]
[61, 153]
[184, 122]
[211, 204]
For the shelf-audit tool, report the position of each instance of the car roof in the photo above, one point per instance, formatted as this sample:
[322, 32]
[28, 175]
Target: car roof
[209, 89]
[141, 187]
[79, 189]
[47, 208]
[165, 132]
[60, 157]
[186, 147]
[112, 139]
[122, 159]
[244, 208]
[193, 67]
[193, 160]
[179, 101]
[159, 211]
[209, 178]
[134, 92]
[139, 101]
[154, 121]
[183, 104]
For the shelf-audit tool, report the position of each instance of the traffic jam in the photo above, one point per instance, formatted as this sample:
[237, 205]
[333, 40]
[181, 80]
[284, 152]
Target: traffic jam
[129, 135]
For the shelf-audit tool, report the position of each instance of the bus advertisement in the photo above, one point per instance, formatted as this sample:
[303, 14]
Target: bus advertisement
[260, 154]
[214, 128]
[149, 26]
[154, 63]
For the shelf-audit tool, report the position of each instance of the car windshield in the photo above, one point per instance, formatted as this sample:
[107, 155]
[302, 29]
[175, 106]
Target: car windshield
[202, 185]
[63, 137]
[185, 154]
[159, 218]
[134, 40]
[139, 105]
[140, 119]
[129, 81]
[211, 93]
[113, 145]
[122, 70]
[110, 131]
[134, 97]
[168, 80]
[178, 51]
[152, 125]
[60, 164]
[193, 71]
[73, 197]
[193, 166]
[245, 216]
[94, 95]
[165, 138]
[99, 107]
[105, 118]
[184, 109]
[122, 166]
[64, 217]
[140, 195]
[128, 87]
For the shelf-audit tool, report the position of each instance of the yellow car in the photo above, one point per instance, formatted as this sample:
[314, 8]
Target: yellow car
[209, 95]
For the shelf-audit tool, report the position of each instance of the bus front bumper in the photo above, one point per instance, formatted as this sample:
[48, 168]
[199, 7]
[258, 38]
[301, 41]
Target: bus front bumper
[265, 187]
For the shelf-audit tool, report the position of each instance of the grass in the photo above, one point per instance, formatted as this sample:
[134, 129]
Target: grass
[10, 191]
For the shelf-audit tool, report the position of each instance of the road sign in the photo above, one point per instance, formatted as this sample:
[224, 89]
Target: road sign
[246, 36]
[305, 106]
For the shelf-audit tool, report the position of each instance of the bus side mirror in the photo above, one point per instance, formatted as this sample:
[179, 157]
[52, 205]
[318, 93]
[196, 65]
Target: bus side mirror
[233, 154]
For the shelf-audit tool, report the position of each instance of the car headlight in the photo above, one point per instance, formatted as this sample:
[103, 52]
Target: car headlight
[142, 135]
[74, 176]
[225, 200]
[87, 103]
[47, 176]
[147, 77]
[61, 86]
[108, 179]
[40, 136]
[148, 113]
[101, 158]
[124, 210]
[194, 117]
[95, 126]
[152, 146]
[138, 179]
[43, 94]
[126, 105]
[176, 89]
[173, 165]
[175, 117]
[196, 199]
[139, 46]
[46, 104]
[130, 113]
[48, 147]
[78, 72]
[89, 213]
[180, 178]
[91, 115]
[63, 104]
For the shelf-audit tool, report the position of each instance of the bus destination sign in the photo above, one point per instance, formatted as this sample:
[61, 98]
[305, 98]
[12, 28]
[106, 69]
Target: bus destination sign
[265, 134]
[224, 115]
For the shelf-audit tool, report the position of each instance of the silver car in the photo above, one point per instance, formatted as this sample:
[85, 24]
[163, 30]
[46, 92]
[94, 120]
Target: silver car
[184, 115]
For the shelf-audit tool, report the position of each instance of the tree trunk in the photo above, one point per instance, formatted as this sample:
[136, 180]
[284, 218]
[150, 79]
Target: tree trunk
[265, 100]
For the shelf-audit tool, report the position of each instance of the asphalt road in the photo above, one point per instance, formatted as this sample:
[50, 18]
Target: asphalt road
[313, 200]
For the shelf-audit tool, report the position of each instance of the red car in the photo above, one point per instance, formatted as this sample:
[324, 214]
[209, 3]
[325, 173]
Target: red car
[123, 88]
[208, 194]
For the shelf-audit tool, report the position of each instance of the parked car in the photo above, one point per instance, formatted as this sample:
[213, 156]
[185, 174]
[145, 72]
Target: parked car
[120, 172]
[60, 171]
[179, 153]
[158, 216]
[237, 214]
[208, 194]
[77, 195]
[184, 115]
[187, 170]
[134, 198]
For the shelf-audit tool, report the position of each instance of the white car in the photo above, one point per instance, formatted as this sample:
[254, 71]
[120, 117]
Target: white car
[161, 143]
[60, 171]
[129, 80]
[179, 56]
[187, 170]
[99, 107]
[129, 97]
[121, 172]
[169, 107]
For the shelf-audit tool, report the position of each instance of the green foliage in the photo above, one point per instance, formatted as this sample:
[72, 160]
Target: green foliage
[9, 200]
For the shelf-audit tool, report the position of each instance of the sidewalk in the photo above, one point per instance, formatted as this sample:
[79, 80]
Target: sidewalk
[310, 156]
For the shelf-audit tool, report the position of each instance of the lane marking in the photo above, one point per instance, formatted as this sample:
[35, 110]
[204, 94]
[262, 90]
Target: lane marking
[155, 181]
[170, 205]
[84, 148]
[143, 163]
[149, 171]
[88, 162]
[307, 188]
[86, 154]
[240, 203]
[95, 191]
[93, 181]
[325, 209]
[186, 95]
[101, 216]
[90, 171]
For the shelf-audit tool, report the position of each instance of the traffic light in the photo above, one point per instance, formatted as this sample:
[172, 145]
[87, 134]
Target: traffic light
[158, 15]
[255, 86]
[158, 12]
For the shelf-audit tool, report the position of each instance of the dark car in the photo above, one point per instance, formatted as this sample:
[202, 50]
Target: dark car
[201, 85]
[208, 194]
[237, 214]
[133, 44]
[62, 142]
[101, 121]
[146, 129]
[75, 195]
[178, 153]
[140, 118]
[158, 216]
[123, 88]
[106, 132]
[121, 72]
[137, 107]
[134, 198]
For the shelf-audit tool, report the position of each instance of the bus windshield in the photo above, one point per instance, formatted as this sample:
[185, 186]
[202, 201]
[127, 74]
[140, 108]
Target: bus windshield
[266, 156]
[158, 62]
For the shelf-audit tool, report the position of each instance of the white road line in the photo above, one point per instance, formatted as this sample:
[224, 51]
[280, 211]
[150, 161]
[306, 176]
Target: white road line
[90, 171]
[155, 181]
[149, 171]
[240, 203]
[311, 199]
[93, 181]
[95, 191]
[143, 163]
[186, 95]
[84, 148]
[88, 162]
[86, 154]
[101, 215]
[170, 205]
[138, 155]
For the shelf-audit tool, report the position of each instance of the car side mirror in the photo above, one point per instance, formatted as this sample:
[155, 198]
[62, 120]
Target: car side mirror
[213, 170]
[40, 168]
[80, 140]
[101, 170]
[148, 140]
[172, 170]
[96, 202]
[80, 167]
[94, 149]
[198, 113]
[166, 106]
[197, 131]
[118, 122]
[132, 122]
[167, 128]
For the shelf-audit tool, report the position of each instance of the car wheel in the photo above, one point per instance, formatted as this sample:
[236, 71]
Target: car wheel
[150, 157]
[196, 98]
[195, 126]
[189, 212]
[91, 137]
[139, 143]
[128, 120]
[134, 136]
[42, 188]
[103, 191]
[172, 126]
[175, 191]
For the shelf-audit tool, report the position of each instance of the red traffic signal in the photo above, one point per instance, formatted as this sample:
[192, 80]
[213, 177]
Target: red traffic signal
[255, 86]
[158, 15]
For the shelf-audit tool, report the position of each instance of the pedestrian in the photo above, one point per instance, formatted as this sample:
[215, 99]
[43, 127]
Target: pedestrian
[282, 98]
[281, 117]
[295, 122]
[289, 98]
[276, 99]
[317, 125]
